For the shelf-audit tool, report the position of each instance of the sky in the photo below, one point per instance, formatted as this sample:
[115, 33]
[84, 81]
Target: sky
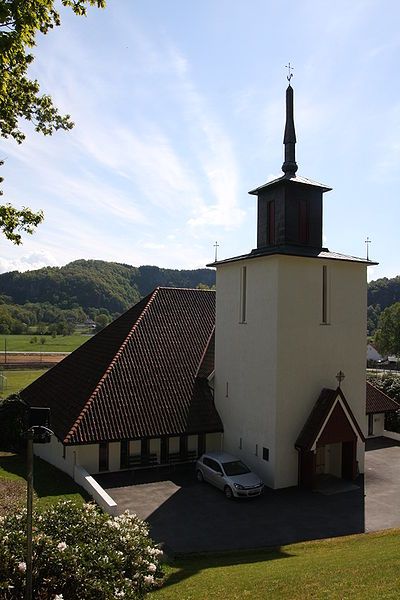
[179, 111]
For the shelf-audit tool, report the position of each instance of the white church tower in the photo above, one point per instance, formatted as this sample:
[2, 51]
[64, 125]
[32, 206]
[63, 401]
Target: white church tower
[291, 340]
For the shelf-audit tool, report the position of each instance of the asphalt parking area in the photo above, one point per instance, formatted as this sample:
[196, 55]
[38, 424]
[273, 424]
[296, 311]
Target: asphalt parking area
[382, 480]
[188, 516]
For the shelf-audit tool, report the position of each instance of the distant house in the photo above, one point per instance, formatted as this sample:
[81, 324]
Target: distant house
[377, 405]
[373, 354]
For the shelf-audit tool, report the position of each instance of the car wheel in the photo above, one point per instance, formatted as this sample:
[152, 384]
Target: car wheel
[199, 476]
[228, 492]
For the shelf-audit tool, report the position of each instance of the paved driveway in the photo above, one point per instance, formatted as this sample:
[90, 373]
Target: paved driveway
[188, 516]
[382, 477]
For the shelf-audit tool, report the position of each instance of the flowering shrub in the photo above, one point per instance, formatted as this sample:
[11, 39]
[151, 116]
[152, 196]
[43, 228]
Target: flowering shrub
[79, 553]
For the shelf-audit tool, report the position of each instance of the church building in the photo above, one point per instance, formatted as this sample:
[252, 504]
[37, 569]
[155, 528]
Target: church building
[273, 372]
[290, 339]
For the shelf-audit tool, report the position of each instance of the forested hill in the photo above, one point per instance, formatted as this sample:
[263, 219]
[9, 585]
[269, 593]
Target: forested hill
[381, 294]
[95, 284]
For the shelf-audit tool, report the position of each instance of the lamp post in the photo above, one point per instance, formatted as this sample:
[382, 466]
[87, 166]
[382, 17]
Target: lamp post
[38, 432]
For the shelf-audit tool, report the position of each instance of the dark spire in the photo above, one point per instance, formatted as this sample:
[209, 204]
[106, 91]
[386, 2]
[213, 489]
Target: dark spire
[289, 167]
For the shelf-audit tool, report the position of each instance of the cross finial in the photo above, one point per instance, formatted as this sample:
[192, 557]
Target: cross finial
[216, 246]
[290, 69]
[367, 243]
[340, 376]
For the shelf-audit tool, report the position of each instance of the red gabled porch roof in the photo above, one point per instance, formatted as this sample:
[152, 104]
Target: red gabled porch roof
[317, 420]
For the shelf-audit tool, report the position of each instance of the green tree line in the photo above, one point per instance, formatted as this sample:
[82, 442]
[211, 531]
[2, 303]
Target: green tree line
[65, 296]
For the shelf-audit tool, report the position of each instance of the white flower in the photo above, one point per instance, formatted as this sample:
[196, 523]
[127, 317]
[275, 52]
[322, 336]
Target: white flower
[119, 593]
[148, 579]
[152, 568]
[58, 597]
[61, 546]
[22, 567]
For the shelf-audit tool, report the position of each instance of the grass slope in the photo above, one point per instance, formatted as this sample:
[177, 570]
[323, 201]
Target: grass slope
[17, 380]
[361, 566]
[50, 484]
[61, 343]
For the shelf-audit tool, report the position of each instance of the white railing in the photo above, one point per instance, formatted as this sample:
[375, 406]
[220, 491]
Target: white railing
[82, 478]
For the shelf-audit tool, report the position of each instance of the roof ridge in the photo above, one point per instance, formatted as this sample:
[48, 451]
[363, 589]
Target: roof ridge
[111, 365]
[205, 351]
[187, 289]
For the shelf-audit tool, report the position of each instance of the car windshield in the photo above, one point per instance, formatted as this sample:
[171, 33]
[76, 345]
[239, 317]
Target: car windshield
[235, 467]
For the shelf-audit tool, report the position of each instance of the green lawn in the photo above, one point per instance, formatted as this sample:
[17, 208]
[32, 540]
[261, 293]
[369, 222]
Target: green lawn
[22, 343]
[50, 484]
[361, 566]
[14, 381]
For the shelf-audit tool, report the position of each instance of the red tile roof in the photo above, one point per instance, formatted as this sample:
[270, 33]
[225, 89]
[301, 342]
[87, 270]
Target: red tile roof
[378, 401]
[313, 426]
[137, 377]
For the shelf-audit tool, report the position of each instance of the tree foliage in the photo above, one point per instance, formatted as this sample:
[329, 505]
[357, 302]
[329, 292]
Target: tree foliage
[387, 337]
[20, 97]
[12, 422]
[97, 286]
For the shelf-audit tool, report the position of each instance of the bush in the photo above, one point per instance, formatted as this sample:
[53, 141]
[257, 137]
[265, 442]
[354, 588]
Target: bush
[79, 553]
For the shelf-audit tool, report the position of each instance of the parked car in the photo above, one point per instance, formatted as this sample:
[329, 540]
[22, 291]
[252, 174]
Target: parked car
[229, 474]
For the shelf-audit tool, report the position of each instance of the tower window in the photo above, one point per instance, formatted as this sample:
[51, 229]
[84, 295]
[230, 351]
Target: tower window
[303, 221]
[271, 222]
[243, 295]
[325, 320]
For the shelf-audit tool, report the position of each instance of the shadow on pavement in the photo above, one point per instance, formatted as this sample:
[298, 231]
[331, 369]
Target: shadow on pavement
[380, 442]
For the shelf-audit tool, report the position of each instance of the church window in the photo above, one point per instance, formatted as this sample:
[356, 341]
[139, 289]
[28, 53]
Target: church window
[243, 295]
[240, 444]
[266, 453]
[271, 222]
[303, 221]
[325, 320]
[256, 452]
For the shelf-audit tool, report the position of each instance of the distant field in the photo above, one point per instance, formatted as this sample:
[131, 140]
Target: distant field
[22, 343]
[16, 380]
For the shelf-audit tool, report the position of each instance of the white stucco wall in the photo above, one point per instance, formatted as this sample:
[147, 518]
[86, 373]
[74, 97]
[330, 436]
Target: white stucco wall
[277, 363]
[114, 456]
[53, 454]
[213, 442]
[192, 442]
[246, 359]
[87, 456]
[310, 354]
[379, 424]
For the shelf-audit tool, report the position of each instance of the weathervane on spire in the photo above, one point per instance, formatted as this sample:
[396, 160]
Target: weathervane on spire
[290, 74]
[289, 167]
[367, 243]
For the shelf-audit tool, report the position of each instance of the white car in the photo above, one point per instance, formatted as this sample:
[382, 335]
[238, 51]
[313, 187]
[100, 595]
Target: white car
[229, 474]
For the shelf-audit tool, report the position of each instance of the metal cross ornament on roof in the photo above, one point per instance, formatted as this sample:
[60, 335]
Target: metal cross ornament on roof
[216, 246]
[367, 243]
[290, 69]
[340, 376]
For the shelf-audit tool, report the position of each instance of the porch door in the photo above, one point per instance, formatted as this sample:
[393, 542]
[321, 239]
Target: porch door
[349, 460]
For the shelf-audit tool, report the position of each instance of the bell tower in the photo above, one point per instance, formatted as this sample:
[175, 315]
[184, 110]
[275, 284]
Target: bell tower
[289, 208]
[290, 315]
